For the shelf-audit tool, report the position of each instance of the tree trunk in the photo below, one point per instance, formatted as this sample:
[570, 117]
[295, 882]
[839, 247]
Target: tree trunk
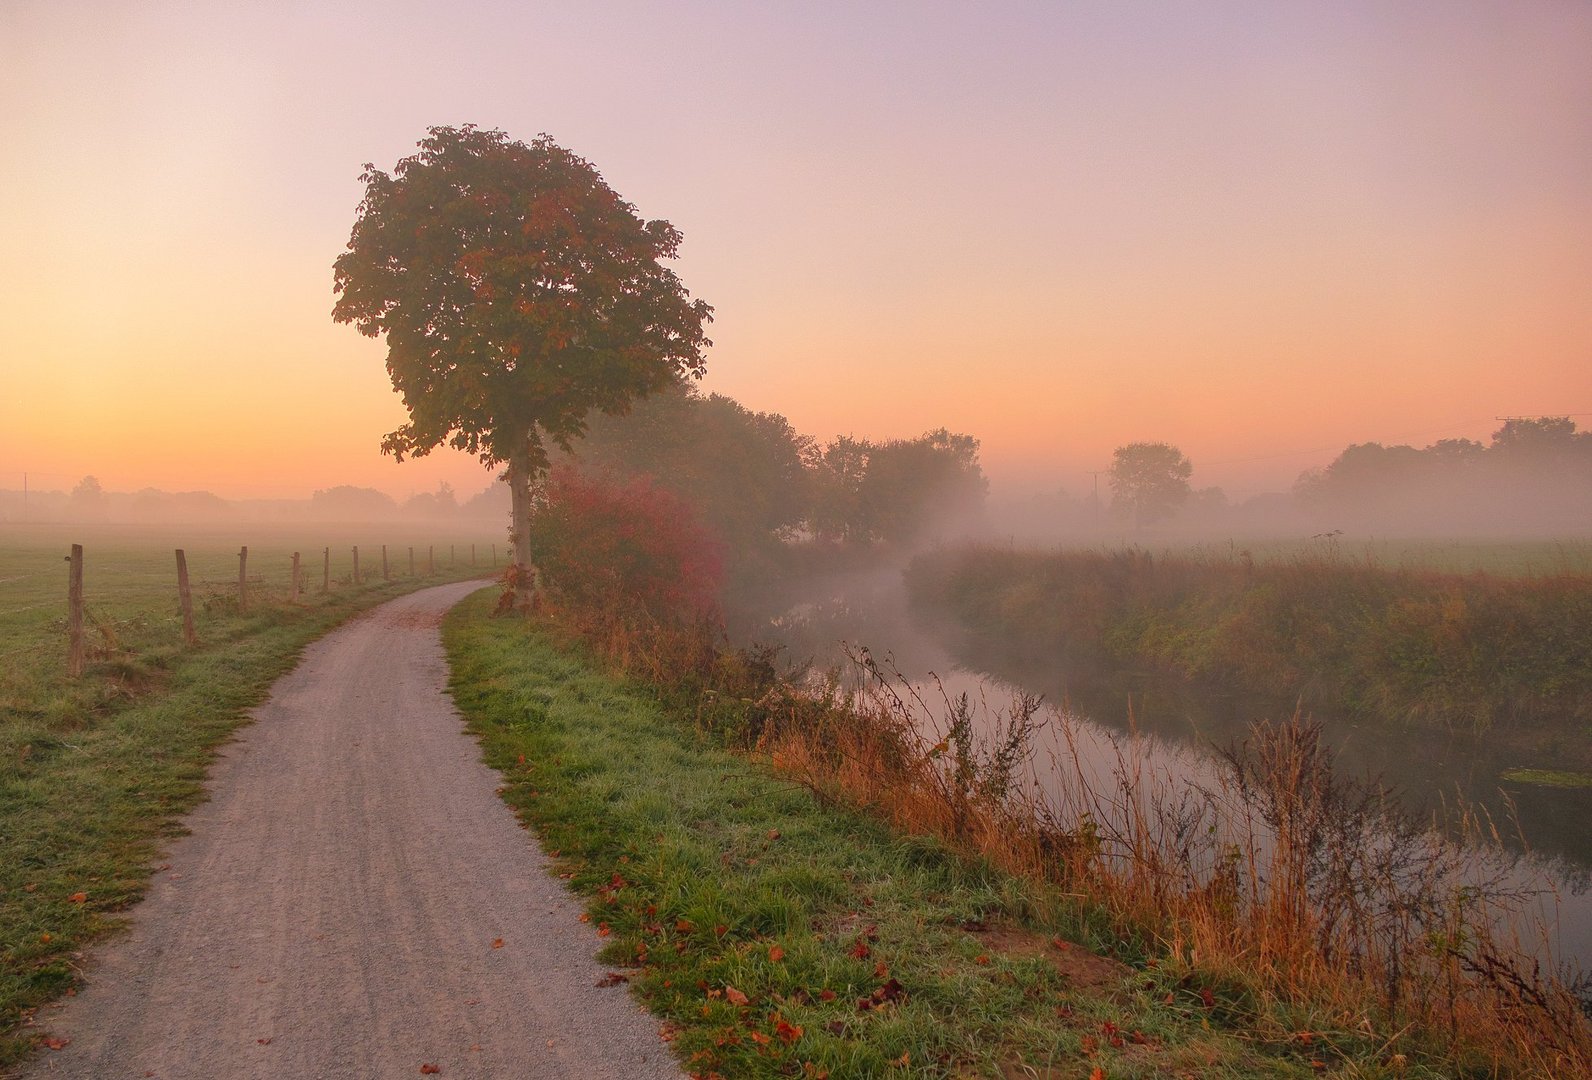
[522, 574]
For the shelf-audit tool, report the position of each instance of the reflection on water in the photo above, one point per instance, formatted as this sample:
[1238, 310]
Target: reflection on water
[1176, 728]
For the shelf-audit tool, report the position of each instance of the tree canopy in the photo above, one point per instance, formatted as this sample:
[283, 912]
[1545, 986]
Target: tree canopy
[516, 290]
[1149, 481]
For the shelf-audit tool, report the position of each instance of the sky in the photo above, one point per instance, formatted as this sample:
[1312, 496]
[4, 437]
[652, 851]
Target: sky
[1258, 231]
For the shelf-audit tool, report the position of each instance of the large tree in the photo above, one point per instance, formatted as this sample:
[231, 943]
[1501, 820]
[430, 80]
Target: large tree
[517, 293]
[1149, 481]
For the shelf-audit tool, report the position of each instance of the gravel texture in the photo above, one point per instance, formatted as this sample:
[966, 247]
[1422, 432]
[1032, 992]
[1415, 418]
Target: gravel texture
[355, 901]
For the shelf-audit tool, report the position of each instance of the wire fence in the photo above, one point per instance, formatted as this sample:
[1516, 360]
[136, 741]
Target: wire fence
[128, 599]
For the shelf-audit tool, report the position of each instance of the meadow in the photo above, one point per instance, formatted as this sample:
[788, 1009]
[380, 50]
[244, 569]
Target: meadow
[95, 771]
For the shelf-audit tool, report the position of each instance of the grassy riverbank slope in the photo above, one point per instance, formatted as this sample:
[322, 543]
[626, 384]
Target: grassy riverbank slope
[799, 889]
[1393, 645]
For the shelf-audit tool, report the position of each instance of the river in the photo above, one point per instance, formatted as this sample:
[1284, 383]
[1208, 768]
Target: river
[1176, 730]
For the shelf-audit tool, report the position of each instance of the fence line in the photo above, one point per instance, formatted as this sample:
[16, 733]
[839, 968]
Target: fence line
[92, 584]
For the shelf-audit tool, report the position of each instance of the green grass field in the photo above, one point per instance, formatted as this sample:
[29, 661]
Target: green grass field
[95, 771]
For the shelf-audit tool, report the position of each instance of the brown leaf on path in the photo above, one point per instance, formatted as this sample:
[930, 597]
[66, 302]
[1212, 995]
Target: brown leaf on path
[56, 1044]
[613, 978]
[265, 1041]
[428, 1068]
[497, 943]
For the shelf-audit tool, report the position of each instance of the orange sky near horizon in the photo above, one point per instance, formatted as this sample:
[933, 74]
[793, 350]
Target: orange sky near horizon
[1260, 232]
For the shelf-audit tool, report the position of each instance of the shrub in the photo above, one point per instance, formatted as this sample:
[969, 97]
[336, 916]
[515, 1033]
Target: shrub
[625, 550]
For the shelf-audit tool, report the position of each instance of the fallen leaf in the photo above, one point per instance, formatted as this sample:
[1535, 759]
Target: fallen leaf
[429, 1068]
[981, 958]
[265, 1041]
[497, 943]
[585, 917]
[761, 1039]
[890, 991]
[775, 954]
[860, 949]
[603, 930]
[788, 1031]
[1097, 1073]
[734, 996]
[904, 1060]
[56, 1044]
[78, 898]
[613, 978]
[826, 994]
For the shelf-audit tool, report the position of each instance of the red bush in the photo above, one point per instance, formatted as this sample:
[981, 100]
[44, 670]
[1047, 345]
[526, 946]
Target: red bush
[625, 547]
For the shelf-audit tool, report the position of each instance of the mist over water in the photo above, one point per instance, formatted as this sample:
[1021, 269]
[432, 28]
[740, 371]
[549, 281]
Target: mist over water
[1177, 729]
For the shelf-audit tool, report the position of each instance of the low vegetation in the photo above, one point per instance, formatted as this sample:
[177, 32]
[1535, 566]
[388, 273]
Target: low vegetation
[1473, 651]
[96, 771]
[1282, 905]
[779, 930]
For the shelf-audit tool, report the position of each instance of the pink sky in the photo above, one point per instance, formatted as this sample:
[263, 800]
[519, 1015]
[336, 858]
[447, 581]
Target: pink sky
[1258, 231]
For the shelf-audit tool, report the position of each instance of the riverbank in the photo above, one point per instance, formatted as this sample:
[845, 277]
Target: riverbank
[1507, 657]
[723, 823]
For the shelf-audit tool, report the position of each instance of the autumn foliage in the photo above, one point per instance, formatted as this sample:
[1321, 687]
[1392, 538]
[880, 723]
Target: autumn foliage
[625, 550]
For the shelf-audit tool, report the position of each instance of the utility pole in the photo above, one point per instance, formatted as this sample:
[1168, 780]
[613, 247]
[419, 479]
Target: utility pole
[1095, 496]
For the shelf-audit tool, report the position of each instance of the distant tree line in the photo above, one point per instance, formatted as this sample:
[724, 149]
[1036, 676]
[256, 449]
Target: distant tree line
[757, 482]
[1536, 470]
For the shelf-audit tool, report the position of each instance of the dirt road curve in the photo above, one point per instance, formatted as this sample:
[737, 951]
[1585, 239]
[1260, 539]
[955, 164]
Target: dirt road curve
[334, 912]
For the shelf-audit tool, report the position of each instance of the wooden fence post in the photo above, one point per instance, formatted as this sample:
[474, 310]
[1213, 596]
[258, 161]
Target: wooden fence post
[451, 559]
[74, 616]
[431, 561]
[243, 579]
[411, 562]
[185, 599]
[494, 556]
[472, 554]
[326, 570]
[295, 577]
[356, 564]
[384, 575]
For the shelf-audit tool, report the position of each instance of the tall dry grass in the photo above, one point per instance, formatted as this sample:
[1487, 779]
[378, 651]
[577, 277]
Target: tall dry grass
[1313, 899]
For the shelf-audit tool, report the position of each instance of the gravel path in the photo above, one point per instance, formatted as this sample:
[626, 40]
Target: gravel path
[355, 901]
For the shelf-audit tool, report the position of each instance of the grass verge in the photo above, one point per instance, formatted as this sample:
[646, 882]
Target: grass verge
[96, 772]
[777, 934]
